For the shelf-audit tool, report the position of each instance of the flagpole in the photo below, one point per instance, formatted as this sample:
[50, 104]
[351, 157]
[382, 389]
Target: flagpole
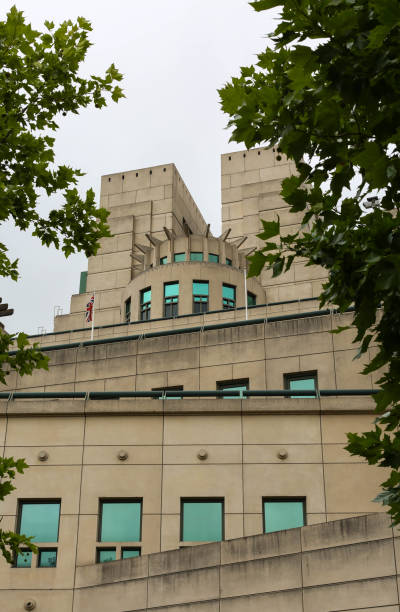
[94, 302]
[245, 288]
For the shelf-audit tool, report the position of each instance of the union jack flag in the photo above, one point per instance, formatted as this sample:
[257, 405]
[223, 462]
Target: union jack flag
[89, 310]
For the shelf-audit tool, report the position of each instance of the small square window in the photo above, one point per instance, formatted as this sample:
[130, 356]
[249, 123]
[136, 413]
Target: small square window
[106, 554]
[179, 257]
[24, 558]
[301, 381]
[251, 299]
[169, 391]
[283, 513]
[120, 520]
[128, 553]
[202, 520]
[228, 261]
[239, 385]
[213, 258]
[228, 297]
[196, 256]
[163, 260]
[47, 557]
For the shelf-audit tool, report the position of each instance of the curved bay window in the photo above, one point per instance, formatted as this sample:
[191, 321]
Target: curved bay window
[145, 304]
[228, 297]
[200, 296]
[171, 299]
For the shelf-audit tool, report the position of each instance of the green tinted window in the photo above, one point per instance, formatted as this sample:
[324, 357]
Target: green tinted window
[228, 261]
[251, 299]
[40, 520]
[47, 558]
[128, 553]
[145, 296]
[82, 282]
[104, 555]
[228, 292]
[300, 384]
[242, 386]
[196, 256]
[120, 521]
[280, 515]
[200, 287]
[179, 257]
[163, 260]
[213, 258]
[202, 521]
[24, 559]
[171, 289]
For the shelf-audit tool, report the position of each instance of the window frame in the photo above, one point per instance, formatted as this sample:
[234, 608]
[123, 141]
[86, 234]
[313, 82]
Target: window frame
[285, 498]
[200, 298]
[129, 548]
[289, 376]
[144, 307]
[40, 545]
[100, 549]
[201, 500]
[115, 500]
[46, 549]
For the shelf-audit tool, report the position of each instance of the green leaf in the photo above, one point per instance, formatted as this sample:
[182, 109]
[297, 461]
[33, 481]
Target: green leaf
[264, 5]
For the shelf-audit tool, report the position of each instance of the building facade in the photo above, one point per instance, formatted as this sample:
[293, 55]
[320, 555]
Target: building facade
[208, 408]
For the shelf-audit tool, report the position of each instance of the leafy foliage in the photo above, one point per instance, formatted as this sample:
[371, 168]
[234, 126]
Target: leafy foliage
[327, 96]
[40, 82]
[10, 542]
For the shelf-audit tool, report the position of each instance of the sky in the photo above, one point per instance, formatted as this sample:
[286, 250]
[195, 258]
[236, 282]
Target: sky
[174, 55]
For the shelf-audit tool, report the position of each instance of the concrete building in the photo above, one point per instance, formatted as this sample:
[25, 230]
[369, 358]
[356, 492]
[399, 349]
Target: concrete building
[208, 409]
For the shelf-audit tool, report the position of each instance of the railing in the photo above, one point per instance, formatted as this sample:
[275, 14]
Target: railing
[218, 393]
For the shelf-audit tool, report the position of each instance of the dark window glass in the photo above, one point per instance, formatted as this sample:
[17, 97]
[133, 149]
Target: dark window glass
[213, 258]
[200, 296]
[202, 520]
[145, 304]
[106, 554]
[169, 391]
[128, 553]
[306, 381]
[163, 260]
[283, 514]
[228, 261]
[179, 257]
[196, 256]
[40, 520]
[233, 385]
[251, 299]
[171, 299]
[120, 521]
[47, 557]
[24, 559]
[228, 297]
[128, 310]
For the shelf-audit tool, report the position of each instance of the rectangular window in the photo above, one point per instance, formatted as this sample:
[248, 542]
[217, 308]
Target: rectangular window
[283, 513]
[200, 296]
[47, 557]
[228, 261]
[171, 299]
[127, 313]
[302, 381]
[179, 257]
[233, 385]
[251, 299]
[39, 520]
[169, 391]
[128, 553]
[145, 304]
[196, 256]
[83, 282]
[163, 260]
[202, 520]
[120, 521]
[212, 257]
[228, 297]
[106, 554]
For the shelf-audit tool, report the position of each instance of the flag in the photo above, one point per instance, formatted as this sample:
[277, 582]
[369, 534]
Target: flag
[89, 310]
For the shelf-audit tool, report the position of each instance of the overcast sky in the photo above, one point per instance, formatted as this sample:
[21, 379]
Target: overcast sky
[174, 55]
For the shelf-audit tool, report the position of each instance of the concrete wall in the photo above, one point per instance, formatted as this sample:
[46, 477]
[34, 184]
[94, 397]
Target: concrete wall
[346, 565]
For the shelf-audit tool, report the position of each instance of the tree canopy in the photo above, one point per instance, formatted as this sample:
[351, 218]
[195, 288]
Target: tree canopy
[326, 93]
[40, 82]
